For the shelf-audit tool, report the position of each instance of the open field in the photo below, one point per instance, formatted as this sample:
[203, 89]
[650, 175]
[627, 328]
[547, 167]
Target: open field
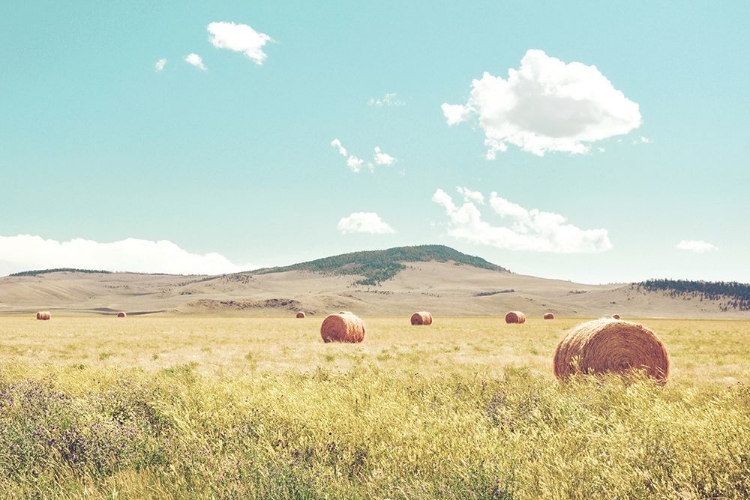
[238, 407]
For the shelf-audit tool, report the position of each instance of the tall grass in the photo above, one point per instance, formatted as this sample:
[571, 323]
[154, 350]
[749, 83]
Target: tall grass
[430, 420]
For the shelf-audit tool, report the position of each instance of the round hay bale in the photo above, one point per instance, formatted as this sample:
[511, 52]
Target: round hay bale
[342, 328]
[300, 315]
[43, 315]
[549, 316]
[610, 345]
[515, 317]
[421, 318]
[616, 316]
[121, 314]
[347, 312]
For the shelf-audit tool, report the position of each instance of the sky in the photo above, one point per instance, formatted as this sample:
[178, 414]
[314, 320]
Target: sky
[596, 142]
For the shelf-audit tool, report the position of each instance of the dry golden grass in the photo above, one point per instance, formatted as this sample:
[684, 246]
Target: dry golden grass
[700, 350]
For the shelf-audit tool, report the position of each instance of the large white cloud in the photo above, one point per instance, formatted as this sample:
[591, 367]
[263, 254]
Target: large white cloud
[195, 60]
[528, 230]
[696, 246]
[546, 105]
[364, 222]
[26, 252]
[239, 38]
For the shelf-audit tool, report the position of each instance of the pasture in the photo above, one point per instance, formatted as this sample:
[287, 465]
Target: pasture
[238, 407]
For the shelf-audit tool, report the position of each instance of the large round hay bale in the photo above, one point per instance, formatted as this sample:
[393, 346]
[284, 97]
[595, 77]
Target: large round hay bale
[421, 318]
[515, 317]
[43, 315]
[342, 328]
[121, 314]
[610, 345]
[300, 315]
[616, 316]
[549, 316]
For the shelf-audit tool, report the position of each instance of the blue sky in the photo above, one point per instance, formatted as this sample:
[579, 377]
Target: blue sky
[644, 107]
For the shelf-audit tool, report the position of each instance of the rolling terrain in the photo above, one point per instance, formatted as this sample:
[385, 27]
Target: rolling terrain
[397, 281]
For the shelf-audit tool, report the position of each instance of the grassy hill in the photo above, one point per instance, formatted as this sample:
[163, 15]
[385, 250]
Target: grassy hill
[381, 265]
[732, 294]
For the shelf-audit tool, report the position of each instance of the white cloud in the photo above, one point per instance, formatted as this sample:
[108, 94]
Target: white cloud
[532, 230]
[383, 158]
[455, 113]
[546, 105]
[239, 38]
[26, 252]
[696, 246]
[337, 144]
[195, 60]
[355, 164]
[642, 140]
[364, 222]
[470, 196]
[160, 64]
[390, 99]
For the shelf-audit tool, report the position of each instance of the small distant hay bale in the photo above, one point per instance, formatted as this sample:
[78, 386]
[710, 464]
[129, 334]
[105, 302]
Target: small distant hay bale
[615, 316]
[342, 327]
[549, 316]
[347, 312]
[421, 318]
[121, 314]
[300, 315]
[610, 345]
[43, 315]
[515, 317]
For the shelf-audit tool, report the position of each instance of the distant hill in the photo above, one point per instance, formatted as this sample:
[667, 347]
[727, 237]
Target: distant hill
[58, 270]
[381, 265]
[730, 294]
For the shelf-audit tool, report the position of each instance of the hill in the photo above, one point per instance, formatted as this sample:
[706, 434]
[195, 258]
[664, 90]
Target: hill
[381, 265]
[396, 281]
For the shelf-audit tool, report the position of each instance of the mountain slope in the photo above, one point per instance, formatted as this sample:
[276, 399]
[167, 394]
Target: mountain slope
[381, 265]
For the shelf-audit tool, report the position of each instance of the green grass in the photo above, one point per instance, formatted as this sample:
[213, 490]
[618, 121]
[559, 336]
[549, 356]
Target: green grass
[467, 408]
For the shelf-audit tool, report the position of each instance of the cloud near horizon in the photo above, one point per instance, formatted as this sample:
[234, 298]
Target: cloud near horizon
[530, 230]
[27, 252]
[546, 105]
[696, 246]
[364, 222]
[239, 38]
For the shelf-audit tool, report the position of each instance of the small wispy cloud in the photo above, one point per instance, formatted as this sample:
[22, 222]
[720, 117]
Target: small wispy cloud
[195, 60]
[364, 222]
[382, 158]
[530, 230]
[388, 100]
[160, 64]
[239, 38]
[696, 246]
[355, 163]
[642, 140]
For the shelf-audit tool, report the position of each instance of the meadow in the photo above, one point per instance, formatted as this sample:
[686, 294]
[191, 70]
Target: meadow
[239, 407]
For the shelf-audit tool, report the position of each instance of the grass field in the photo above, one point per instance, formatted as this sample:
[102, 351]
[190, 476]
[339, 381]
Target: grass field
[232, 407]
